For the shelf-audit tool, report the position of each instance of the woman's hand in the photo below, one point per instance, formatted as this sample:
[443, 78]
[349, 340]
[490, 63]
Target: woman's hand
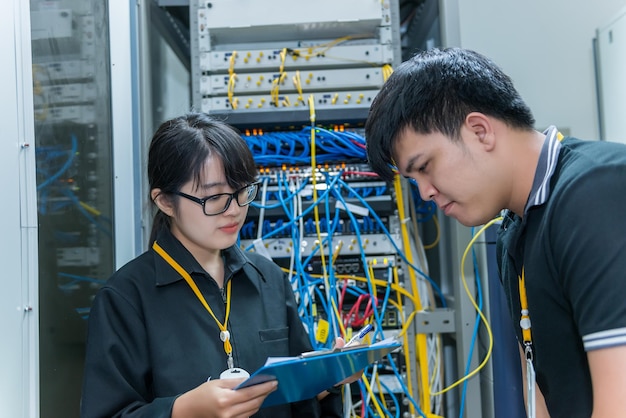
[217, 399]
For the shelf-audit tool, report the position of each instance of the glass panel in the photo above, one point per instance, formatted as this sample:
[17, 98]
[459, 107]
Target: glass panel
[74, 186]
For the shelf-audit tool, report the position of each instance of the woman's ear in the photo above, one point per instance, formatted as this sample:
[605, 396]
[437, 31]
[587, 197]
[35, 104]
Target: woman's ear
[163, 202]
[481, 128]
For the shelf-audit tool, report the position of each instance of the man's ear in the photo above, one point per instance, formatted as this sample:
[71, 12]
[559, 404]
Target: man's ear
[480, 127]
[162, 201]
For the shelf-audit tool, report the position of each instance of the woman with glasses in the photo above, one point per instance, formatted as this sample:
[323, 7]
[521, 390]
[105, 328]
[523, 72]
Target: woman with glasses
[176, 329]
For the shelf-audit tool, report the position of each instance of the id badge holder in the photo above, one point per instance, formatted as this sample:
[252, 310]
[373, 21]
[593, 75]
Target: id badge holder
[530, 386]
[234, 373]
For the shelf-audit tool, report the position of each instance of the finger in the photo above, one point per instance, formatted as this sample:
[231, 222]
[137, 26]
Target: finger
[255, 391]
[252, 398]
[228, 383]
[262, 389]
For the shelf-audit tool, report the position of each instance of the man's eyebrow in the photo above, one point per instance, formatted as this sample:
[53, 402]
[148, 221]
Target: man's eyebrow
[409, 165]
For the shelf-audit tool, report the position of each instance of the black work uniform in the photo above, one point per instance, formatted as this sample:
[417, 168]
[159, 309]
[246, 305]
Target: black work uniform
[571, 244]
[150, 339]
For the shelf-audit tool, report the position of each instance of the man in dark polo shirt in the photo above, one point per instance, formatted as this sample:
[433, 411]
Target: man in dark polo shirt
[453, 121]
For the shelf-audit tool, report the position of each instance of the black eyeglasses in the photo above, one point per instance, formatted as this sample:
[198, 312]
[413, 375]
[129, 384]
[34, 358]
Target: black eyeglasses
[219, 203]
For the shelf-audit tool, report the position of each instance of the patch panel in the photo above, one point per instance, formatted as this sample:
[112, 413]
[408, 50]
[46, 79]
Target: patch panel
[54, 23]
[220, 61]
[381, 261]
[323, 100]
[69, 93]
[78, 256]
[47, 72]
[357, 172]
[83, 114]
[291, 81]
[375, 243]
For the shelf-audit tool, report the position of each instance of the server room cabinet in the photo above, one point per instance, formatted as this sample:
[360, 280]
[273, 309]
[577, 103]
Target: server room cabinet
[72, 165]
[72, 112]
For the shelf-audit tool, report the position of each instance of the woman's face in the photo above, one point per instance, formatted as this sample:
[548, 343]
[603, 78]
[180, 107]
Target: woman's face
[199, 233]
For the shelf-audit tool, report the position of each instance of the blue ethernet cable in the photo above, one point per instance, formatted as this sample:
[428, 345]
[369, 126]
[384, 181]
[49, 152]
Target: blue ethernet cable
[400, 253]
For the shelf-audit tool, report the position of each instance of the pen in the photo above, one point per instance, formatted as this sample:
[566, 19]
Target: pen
[358, 338]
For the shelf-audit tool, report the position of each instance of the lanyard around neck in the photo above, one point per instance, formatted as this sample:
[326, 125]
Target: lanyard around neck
[525, 314]
[224, 334]
[525, 324]
[524, 321]
[531, 407]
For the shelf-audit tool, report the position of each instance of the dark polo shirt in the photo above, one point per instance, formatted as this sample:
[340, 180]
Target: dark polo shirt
[572, 244]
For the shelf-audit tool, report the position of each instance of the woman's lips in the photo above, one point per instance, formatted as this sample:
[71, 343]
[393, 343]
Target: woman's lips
[230, 229]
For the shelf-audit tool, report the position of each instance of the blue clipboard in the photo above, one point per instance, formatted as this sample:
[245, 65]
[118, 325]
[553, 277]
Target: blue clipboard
[308, 374]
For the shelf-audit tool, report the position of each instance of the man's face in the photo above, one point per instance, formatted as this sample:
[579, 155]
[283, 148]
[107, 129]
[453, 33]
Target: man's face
[455, 175]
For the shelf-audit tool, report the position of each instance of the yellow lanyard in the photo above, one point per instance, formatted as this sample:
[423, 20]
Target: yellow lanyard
[524, 324]
[531, 407]
[524, 321]
[525, 315]
[224, 334]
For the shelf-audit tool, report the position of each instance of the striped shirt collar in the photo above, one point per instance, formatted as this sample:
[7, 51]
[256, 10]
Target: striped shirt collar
[545, 168]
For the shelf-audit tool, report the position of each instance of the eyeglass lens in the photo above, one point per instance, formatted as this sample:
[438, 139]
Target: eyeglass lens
[220, 203]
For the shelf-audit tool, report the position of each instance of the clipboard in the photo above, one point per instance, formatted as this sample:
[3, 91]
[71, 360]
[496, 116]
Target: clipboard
[308, 374]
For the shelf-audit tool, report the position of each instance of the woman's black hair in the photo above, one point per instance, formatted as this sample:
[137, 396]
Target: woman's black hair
[179, 149]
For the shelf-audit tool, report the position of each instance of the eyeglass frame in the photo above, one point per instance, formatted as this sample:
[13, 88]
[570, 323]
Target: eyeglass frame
[231, 196]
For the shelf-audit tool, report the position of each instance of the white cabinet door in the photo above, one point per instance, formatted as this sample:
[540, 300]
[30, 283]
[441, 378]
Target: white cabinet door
[611, 62]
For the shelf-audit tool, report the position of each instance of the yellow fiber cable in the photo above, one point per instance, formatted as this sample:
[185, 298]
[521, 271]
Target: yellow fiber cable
[436, 241]
[370, 268]
[381, 391]
[337, 41]
[480, 313]
[373, 398]
[319, 49]
[297, 82]
[274, 91]
[231, 62]
[231, 90]
[387, 71]
[404, 321]
[396, 284]
[336, 252]
[397, 288]
[421, 255]
[41, 113]
[338, 316]
[316, 214]
[283, 55]
[90, 209]
[405, 326]
[422, 355]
